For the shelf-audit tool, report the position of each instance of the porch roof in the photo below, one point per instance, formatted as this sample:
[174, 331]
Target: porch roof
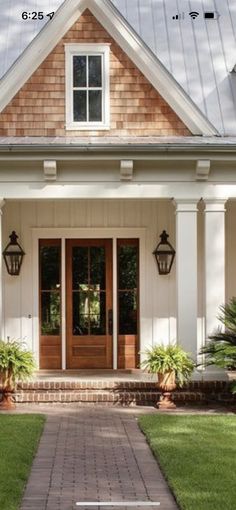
[117, 143]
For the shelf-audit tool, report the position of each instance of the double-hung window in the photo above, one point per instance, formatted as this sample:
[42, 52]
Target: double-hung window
[87, 86]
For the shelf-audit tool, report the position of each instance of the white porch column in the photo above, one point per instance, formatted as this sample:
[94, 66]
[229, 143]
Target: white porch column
[1, 285]
[186, 274]
[214, 261]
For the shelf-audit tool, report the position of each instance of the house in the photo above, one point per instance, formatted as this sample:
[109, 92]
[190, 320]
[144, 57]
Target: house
[117, 122]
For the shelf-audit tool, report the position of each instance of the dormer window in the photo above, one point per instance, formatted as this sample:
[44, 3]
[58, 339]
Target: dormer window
[87, 86]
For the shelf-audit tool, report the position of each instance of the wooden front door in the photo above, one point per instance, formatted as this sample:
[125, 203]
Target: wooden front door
[89, 303]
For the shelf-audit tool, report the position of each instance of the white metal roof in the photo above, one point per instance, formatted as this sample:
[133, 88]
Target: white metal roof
[200, 53]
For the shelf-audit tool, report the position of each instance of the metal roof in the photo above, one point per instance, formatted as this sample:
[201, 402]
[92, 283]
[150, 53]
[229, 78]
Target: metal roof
[200, 53]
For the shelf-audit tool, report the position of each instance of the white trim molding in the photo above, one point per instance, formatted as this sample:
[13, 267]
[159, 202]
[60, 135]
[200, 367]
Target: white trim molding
[89, 49]
[126, 169]
[50, 170]
[203, 167]
[126, 38]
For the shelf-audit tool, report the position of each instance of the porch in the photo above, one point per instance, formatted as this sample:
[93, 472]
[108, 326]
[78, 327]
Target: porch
[182, 305]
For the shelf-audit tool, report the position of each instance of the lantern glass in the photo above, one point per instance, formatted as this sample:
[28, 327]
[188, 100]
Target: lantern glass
[164, 254]
[13, 255]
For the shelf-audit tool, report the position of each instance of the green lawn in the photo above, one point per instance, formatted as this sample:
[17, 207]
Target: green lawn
[197, 454]
[19, 437]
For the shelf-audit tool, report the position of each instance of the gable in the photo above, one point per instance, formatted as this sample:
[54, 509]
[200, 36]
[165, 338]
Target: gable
[136, 108]
[131, 43]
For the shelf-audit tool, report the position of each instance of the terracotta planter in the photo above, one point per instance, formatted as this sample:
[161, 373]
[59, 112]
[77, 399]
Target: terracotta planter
[7, 403]
[7, 390]
[167, 384]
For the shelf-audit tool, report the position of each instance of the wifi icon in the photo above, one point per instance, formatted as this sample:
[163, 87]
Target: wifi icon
[194, 14]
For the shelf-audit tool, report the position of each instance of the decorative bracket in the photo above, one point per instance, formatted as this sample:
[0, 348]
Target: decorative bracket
[50, 170]
[203, 167]
[126, 169]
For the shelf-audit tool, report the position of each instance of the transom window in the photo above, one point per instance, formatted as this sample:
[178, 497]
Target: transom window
[87, 86]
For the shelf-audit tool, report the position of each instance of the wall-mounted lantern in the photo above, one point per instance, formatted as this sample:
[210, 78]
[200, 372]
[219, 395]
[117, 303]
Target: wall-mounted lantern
[13, 255]
[164, 254]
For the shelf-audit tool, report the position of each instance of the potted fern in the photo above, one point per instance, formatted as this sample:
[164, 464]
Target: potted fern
[220, 350]
[173, 367]
[16, 363]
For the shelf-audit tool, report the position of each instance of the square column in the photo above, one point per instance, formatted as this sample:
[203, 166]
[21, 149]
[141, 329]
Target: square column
[186, 274]
[1, 262]
[214, 261]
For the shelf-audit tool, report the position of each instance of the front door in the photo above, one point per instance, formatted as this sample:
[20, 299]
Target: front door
[89, 303]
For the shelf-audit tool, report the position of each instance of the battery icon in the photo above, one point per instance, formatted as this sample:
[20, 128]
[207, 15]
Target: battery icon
[211, 15]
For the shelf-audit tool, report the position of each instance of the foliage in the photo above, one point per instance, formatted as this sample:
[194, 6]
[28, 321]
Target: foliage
[16, 363]
[19, 437]
[197, 454]
[233, 387]
[171, 358]
[220, 350]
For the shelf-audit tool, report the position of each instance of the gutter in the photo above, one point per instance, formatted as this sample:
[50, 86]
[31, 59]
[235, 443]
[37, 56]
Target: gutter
[147, 148]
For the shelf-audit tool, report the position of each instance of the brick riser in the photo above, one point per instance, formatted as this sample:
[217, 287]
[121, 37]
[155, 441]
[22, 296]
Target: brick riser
[118, 393]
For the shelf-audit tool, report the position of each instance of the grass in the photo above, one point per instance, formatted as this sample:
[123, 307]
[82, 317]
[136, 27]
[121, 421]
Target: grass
[197, 454]
[19, 437]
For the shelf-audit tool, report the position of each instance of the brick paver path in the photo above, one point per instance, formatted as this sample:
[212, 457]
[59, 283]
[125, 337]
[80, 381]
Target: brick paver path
[94, 454]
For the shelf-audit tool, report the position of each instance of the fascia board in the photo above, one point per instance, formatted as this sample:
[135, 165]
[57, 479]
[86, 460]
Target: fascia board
[128, 40]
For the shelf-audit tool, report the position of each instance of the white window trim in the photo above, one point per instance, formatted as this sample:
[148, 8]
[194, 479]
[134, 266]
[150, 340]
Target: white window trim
[87, 49]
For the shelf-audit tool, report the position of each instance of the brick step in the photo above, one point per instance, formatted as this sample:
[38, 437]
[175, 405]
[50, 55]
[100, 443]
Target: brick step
[122, 397]
[128, 392]
[83, 385]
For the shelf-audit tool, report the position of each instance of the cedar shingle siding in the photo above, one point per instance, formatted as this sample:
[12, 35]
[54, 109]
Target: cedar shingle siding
[38, 109]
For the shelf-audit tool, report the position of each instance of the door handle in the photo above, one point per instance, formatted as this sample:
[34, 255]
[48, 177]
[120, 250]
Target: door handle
[110, 322]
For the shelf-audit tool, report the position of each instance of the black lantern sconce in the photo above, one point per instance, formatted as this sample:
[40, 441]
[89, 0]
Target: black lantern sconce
[13, 255]
[164, 254]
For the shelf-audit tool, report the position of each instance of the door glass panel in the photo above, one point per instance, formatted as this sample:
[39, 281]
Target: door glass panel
[127, 259]
[89, 296]
[50, 287]
[128, 313]
[80, 262]
[50, 313]
[80, 313]
[128, 270]
[97, 267]
[50, 267]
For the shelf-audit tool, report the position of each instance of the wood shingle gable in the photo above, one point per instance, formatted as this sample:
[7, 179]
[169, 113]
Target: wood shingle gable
[136, 108]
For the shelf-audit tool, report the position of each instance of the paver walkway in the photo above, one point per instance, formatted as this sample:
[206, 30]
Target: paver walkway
[94, 454]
